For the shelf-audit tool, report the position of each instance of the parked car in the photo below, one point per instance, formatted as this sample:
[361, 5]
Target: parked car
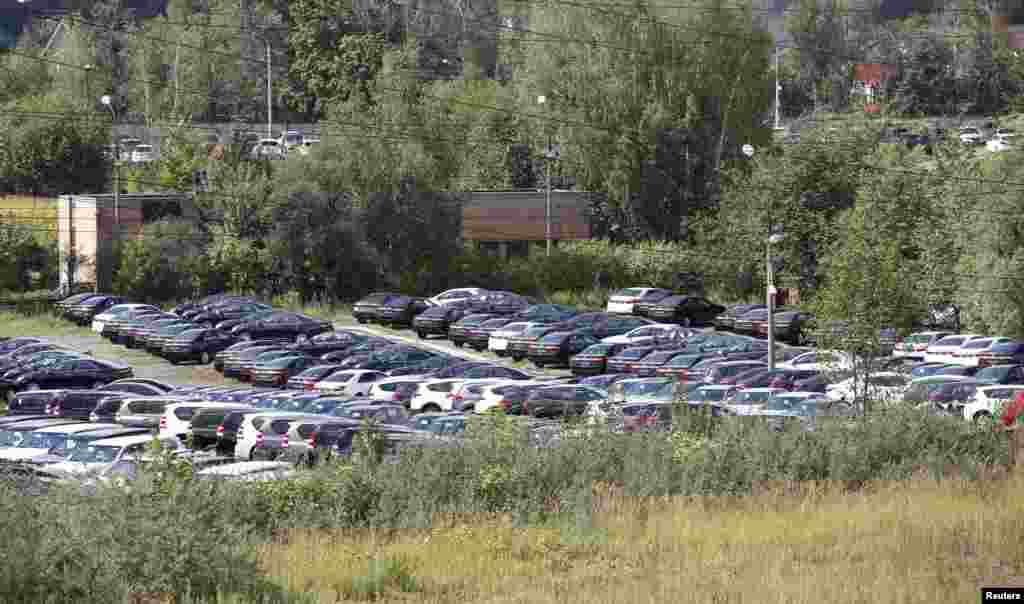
[461, 294]
[435, 363]
[386, 360]
[72, 373]
[291, 326]
[881, 387]
[230, 310]
[354, 382]
[177, 417]
[751, 400]
[478, 337]
[727, 319]
[84, 311]
[143, 412]
[621, 361]
[267, 148]
[98, 454]
[200, 345]
[36, 444]
[789, 326]
[988, 402]
[234, 364]
[724, 372]
[143, 154]
[365, 309]
[557, 401]
[650, 334]
[969, 354]
[436, 320]
[1007, 353]
[399, 310]
[648, 366]
[557, 347]
[943, 349]
[593, 359]
[497, 341]
[278, 371]
[971, 135]
[249, 366]
[459, 332]
[685, 310]
[76, 404]
[916, 344]
[292, 139]
[624, 300]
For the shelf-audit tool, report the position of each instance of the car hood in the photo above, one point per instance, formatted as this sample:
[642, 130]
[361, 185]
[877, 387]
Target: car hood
[75, 468]
[21, 454]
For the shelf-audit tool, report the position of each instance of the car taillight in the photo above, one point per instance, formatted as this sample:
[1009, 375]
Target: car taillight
[284, 441]
[503, 403]
[396, 397]
[163, 423]
[220, 430]
[311, 441]
[259, 438]
[309, 386]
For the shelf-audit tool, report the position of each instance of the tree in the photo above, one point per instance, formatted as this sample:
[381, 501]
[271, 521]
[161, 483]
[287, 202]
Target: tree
[868, 287]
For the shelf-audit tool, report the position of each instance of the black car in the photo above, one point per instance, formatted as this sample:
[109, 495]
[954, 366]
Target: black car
[727, 320]
[63, 307]
[77, 404]
[555, 348]
[436, 320]
[459, 333]
[135, 333]
[278, 371]
[501, 303]
[362, 349]
[13, 344]
[366, 309]
[331, 341]
[155, 340]
[620, 361]
[228, 324]
[649, 365]
[195, 311]
[209, 317]
[248, 365]
[556, 401]
[593, 359]
[181, 309]
[83, 312]
[230, 354]
[387, 360]
[34, 402]
[399, 310]
[291, 326]
[197, 345]
[11, 371]
[685, 310]
[475, 370]
[431, 365]
[72, 373]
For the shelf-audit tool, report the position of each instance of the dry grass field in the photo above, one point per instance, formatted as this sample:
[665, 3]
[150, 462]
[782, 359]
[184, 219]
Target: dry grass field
[921, 541]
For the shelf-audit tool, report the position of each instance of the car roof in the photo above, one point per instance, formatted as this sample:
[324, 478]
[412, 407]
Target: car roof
[82, 427]
[125, 441]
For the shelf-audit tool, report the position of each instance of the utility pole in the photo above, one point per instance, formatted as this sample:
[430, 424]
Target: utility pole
[770, 304]
[548, 153]
[777, 87]
[108, 101]
[270, 106]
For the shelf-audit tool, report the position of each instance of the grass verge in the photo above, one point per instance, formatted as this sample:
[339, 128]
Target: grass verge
[908, 541]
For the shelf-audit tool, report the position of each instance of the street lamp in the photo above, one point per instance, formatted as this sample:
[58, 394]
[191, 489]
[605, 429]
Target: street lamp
[773, 239]
[548, 156]
[106, 100]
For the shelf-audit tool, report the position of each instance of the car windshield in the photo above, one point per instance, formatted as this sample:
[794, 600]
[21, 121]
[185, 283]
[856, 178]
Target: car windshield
[43, 440]
[554, 338]
[633, 353]
[711, 394]
[918, 339]
[951, 341]
[978, 344]
[632, 292]
[280, 363]
[317, 372]
[12, 438]
[190, 335]
[94, 454]
[597, 349]
[748, 397]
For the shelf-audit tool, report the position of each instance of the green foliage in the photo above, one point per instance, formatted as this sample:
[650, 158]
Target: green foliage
[28, 257]
[382, 576]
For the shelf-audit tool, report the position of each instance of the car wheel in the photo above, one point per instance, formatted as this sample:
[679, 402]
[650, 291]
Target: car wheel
[431, 408]
[982, 416]
[538, 364]
[172, 361]
[204, 358]
[687, 322]
[517, 357]
[501, 353]
[457, 344]
[422, 335]
[361, 321]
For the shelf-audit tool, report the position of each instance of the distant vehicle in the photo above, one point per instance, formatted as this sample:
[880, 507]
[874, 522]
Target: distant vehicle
[143, 154]
[624, 301]
[267, 148]
[309, 146]
[997, 145]
[291, 139]
[970, 135]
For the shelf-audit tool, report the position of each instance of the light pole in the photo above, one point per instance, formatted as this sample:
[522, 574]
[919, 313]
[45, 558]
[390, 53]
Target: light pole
[106, 100]
[773, 239]
[548, 156]
[270, 105]
[778, 88]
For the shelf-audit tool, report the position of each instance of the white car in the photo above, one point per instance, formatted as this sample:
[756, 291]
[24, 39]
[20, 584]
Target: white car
[250, 432]
[648, 333]
[355, 382]
[497, 342]
[819, 360]
[970, 135]
[988, 402]
[465, 396]
[143, 154]
[881, 386]
[433, 395]
[967, 355]
[387, 390]
[177, 418]
[454, 295]
[493, 396]
[102, 453]
[752, 400]
[249, 471]
[942, 350]
[115, 312]
[624, 300]
[998, 145]
[915, 345]
[268, 148]
[38, 443]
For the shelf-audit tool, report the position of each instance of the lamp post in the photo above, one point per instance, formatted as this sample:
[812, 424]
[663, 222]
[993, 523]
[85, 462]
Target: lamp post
[548, 156]
[106, 100]
[773, 239]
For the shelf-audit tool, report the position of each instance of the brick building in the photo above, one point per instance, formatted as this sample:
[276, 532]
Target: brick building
[506, 222]
[87, 224]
